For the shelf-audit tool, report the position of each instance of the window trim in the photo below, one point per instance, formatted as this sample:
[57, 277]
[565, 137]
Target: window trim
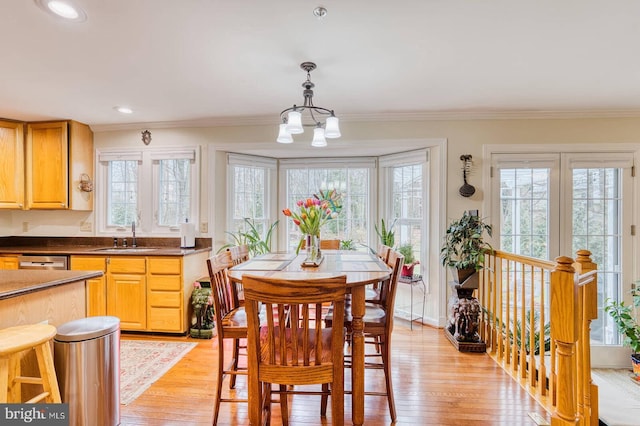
[147, 188]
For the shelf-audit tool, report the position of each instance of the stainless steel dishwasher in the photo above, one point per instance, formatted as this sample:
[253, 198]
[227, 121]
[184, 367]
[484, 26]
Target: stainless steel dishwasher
[43, 262]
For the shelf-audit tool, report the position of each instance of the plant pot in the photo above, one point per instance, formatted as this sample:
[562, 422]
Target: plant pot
[461, 275]
[201, 333]
[407, 270]
[635, 362]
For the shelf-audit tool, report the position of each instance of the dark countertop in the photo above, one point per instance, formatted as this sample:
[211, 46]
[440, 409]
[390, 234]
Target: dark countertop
[102, 251]
[15, 283]
[99, 246]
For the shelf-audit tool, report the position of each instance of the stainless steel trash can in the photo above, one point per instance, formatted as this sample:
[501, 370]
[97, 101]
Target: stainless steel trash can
[86, 354]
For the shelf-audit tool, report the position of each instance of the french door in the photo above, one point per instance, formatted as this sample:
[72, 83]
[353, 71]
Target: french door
[546, 205]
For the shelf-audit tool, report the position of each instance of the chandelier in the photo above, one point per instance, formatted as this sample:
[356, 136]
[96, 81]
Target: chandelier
[292, 122]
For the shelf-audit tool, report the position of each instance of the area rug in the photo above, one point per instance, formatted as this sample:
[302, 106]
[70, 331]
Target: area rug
[619, 396]
[142, 362]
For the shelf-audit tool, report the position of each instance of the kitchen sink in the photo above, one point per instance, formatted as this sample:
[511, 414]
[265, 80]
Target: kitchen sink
[125, 249]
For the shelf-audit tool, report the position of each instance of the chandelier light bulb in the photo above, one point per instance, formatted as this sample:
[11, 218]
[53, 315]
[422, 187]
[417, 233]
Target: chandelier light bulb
[283, 135]
[332, 128]
[318, 138]
[294, 123]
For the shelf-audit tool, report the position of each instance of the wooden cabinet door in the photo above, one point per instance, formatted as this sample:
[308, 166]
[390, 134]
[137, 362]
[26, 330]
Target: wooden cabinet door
[127, 291]
[8, 262]
[96, 287]
[127, 300]
[47, 165]
[11, 165]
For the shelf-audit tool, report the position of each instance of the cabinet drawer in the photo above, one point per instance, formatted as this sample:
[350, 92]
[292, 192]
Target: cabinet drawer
[88, 263]
[169, 299]
[127, 265]
[165, 265]
[165, 319]
[165, 282]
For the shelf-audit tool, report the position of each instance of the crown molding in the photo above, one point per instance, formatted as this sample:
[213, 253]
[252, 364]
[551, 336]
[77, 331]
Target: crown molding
[265, 120]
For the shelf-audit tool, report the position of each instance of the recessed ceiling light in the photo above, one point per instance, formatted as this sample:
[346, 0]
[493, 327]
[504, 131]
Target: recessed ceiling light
[64, 9]
[123, 109]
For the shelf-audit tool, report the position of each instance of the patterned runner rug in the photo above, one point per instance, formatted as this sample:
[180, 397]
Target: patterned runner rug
[619, 396]
[142, 362]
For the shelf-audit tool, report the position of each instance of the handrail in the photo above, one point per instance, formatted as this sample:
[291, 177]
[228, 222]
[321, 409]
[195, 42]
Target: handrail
[536, 324]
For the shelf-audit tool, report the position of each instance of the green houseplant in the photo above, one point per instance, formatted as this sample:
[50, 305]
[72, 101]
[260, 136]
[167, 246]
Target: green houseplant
[626, 319]
[257, 243]
[386, 234]
[464, 246]
[410, 260]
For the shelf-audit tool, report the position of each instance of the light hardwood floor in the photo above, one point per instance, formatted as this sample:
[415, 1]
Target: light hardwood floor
[434, 385]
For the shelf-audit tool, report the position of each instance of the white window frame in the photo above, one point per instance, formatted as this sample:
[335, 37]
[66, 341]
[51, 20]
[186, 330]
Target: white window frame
[369, 163]
[387, 164]
[269, 165]
[147, 188]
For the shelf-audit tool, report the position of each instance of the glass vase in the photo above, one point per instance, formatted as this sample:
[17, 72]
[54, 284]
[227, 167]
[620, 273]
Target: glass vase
[312, 245]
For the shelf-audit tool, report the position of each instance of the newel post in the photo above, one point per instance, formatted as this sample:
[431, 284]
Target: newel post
[565, 332]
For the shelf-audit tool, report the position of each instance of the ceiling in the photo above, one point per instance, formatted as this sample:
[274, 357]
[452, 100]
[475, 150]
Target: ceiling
[214, 62]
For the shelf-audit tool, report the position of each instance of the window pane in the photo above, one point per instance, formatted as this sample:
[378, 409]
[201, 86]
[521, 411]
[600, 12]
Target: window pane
[174, 189]
[407, 206]
[122, 198]
[351, 183]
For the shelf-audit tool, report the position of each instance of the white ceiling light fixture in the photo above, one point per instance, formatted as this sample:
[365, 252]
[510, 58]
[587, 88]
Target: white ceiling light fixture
[65, 9]
[123, 109]
[292, 120]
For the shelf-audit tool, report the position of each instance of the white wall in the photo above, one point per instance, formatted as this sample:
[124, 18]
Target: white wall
[463, 137]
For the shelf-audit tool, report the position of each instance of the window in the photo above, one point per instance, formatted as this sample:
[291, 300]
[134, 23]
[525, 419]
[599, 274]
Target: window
[156, 189]
[250, 185]
[405, 177]
[351, 178]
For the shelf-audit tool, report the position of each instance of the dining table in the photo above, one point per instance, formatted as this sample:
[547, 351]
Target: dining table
[361, 269]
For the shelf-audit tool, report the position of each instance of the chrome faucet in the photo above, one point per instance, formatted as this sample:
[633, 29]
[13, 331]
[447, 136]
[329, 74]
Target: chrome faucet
[133, 231]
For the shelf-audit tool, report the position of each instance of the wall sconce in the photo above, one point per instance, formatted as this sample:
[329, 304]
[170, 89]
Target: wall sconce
[146, 137]
[466, 190]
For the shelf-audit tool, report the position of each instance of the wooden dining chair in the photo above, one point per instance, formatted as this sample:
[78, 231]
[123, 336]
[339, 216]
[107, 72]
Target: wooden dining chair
[292, 349]
[378, 326]
[239, 254]
[329, 244]
[231, 323]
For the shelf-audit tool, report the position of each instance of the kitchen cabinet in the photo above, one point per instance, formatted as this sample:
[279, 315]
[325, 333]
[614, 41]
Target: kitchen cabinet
[147, 293]
[9, 261]
[96, 288]
[126, 291]
[58, 156]
[165, 305]
[11, 165]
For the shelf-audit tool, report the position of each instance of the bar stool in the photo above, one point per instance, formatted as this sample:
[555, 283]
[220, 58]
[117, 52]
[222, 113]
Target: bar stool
[13, 341]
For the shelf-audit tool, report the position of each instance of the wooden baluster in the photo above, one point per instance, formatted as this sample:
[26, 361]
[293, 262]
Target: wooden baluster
[565, 331]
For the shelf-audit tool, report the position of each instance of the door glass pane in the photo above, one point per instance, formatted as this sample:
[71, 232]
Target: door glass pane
[524, 211]
[597, 213]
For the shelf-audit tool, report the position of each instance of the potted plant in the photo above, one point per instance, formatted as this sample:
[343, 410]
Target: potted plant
[626, 319]
[257, 243]
[464, 246]
[409, 259]
[387, 234]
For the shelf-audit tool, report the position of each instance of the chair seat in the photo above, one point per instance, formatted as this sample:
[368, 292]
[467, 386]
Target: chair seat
[326, 344]
[236, 318]
[374, 316]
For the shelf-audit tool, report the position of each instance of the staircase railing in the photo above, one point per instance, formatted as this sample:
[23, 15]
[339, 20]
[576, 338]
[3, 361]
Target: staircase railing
[536, 324]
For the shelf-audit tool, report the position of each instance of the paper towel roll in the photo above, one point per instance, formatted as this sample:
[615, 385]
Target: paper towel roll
[187, 235]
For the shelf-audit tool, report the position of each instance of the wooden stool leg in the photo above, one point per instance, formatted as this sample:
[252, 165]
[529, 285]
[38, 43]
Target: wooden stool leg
[15, 387]
[48, 373]
[4, 379]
